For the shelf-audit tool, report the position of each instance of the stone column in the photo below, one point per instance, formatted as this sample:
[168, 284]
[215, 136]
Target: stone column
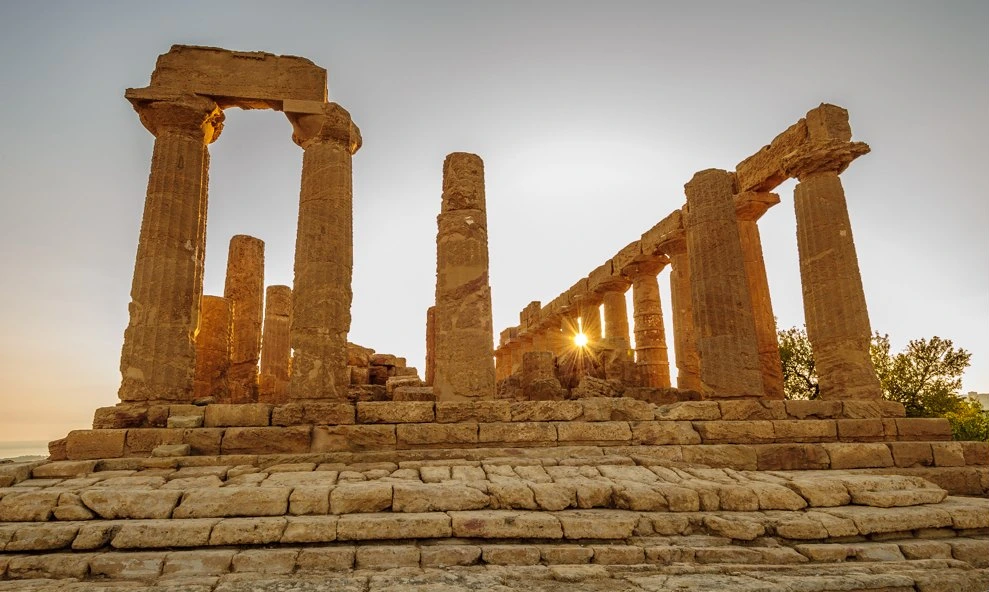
[276, 345]
[651, 355]
[834, 302]
[464, 331]
[523, 345]
[754, 205]
[213, 349]
[590, 321]
[244, 288]
[726, 340]
[430, 344]
[158, 358]
[617, 344]
[688, 359]
[324, 254]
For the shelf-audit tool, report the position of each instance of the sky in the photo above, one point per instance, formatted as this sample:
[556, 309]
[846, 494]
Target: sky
[590, 117]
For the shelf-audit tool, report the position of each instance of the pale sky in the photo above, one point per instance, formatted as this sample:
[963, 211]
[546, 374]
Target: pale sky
[590, 117]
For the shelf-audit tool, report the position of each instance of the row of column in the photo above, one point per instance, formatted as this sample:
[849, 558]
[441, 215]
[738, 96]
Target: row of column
[723, 326]
[158, 358]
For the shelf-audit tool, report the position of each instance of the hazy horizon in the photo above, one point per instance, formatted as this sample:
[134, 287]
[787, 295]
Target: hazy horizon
[590, 117]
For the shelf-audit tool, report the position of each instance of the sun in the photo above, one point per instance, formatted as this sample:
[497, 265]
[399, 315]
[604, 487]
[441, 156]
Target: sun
[580, 340]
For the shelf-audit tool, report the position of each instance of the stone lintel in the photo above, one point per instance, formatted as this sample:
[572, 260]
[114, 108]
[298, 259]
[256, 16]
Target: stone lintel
[507, 335]
[249, 80]
[820, 156]
[630, 253]
[654, 240]
[751, 205]
[529, 315]
[577, 292]
[766, 169]
[604, 279]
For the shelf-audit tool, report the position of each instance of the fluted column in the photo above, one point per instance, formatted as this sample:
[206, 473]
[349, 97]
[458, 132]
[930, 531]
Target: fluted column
[726, 340]
[244, 288]
[213, 349]
[464, 365]
[324, 253]
[430, 344]
[762, 303]
[651, 354]
[688, 359]
[158, 358]
[276, 345]
[590, 321]
[834, 301]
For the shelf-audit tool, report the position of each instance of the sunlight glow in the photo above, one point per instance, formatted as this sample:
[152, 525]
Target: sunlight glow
[580, 340]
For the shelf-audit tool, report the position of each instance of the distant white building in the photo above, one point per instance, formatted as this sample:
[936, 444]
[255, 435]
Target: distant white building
[980, 397]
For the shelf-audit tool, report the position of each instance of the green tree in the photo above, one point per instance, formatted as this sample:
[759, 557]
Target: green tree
[926, 376]
[969, 421]
[799, 374]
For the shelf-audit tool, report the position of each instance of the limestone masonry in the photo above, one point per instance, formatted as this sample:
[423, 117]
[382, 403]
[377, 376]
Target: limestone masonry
[255, 448]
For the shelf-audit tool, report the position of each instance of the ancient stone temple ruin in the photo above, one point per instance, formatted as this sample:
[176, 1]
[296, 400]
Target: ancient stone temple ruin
[254, 448]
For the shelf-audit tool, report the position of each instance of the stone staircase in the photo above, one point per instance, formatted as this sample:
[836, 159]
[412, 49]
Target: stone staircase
[600, 522]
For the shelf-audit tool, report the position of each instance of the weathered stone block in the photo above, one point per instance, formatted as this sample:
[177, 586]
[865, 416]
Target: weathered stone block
[247, 531]
[948, 454]
[90, 444]
[923, 428]
[662, 433]
[690, 411]
[976, 453]
[355, 438]
[185, 421]
[735, 432]
[510, 554]
[594, 431]
[159, 534]
[805, 430]
[42, 537]
[30, 506]
[386, 557]
[171, 450]
[449, 555]
[858, 456]
[313, 413]
[348, 498]
[433, 497]
[127, 566]
[135, 504]
[122, 415]
[566, 554]
[412, 393]
[597, 524]
[198, 563]
[618, 555]
[812, 409]
[616, 409]
[431, 434]
[65, 469]
[748, 410]
[861, 430]
[546, 410]
[389, 526]
[791, 457]
[325, 558]
[203, 441]
[517, 432]
[911, 454]
[273, 440]
[220, 415]
[265, 561]
[472, 411]
[395, 412]
[503, 524]
[310, 529]
[233, 501]
[62, 565]
[738, 457]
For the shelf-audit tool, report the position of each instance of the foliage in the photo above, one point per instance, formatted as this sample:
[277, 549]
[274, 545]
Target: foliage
[969, 421]
[799, 374]
[926, 377]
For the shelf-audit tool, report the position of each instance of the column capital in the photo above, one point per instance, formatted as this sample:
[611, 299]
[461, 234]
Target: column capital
[823, 156]
[651, 266]
[327, 123]
[183, 115]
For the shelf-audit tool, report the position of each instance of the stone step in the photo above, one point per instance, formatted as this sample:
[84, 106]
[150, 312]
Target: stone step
[825, 567]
